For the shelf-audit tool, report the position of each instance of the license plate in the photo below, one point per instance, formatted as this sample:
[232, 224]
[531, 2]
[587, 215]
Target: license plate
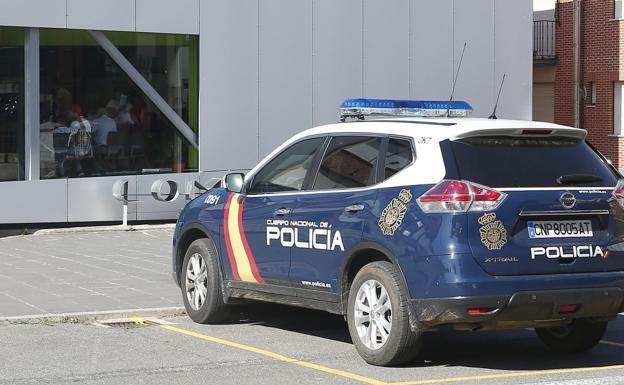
[560, 229]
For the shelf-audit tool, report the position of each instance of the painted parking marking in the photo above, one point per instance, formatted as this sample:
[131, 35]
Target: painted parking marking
[509, 375]
[368, 380]
[267, 353]
[611, 343]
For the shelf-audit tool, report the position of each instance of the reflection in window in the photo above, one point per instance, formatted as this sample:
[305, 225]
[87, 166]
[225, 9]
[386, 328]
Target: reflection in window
[11, 104]
[96, 121]
[288, 170]
[349, 162]
[398, 157]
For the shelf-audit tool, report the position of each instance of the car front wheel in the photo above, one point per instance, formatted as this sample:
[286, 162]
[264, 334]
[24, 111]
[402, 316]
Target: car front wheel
[378, 316]
[201, 283]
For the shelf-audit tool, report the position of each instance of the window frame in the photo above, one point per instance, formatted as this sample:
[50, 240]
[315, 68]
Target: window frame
[313, 165]
[312, 173]
[383, 151]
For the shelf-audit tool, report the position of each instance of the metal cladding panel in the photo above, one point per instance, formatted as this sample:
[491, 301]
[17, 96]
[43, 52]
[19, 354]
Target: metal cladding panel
[431, 49]
[34, 13]
[386, 30]
[33, 202]
[229, 84]
[337, 56]
[91, 199]
[474, 25]
[285, 70]
[114, 15]
[514, 57]
[151, 209]
[167, 16]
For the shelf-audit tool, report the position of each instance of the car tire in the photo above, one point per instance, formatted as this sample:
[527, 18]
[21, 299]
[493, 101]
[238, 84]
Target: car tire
[401, 344]
[579, 336]
[201, 283]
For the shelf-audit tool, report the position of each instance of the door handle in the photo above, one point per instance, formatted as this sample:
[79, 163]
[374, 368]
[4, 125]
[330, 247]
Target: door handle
[354, 208]
[281, 212]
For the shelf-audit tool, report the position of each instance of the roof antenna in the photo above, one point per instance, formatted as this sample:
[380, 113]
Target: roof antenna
[493, 116]
[461, 59]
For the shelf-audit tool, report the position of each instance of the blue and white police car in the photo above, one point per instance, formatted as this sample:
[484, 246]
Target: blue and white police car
[411, 216]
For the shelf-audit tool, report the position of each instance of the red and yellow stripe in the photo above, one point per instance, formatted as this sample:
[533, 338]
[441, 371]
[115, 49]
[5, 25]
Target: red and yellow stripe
[241, 258]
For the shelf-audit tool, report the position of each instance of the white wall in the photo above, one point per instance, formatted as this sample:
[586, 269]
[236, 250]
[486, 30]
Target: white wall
[271, 68]
[179, 16]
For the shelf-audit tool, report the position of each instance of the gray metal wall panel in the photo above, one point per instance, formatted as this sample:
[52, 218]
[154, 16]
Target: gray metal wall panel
[386, 48]
[34, 201]
[167, 16]
[229, 84]
[285, 70]
[151, 209]
[33, 13]
[431, 49]
[337, 45]
[114, 15]
[514, 56]
[91, 199]
[474, 24]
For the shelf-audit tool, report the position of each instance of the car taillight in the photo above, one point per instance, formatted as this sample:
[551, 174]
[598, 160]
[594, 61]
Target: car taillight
[450, 196]
[618, 192]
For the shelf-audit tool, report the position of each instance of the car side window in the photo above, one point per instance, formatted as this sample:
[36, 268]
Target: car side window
[398, 156]
[287, 171]
[350, 161]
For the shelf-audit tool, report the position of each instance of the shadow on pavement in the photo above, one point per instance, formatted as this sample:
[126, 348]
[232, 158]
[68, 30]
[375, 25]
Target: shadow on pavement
[512, 350]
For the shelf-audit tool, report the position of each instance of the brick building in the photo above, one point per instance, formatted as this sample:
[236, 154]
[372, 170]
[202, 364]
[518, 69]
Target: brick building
[599, 104]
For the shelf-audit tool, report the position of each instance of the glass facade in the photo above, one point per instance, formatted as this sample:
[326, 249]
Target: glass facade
[11, 104]
[95, 121]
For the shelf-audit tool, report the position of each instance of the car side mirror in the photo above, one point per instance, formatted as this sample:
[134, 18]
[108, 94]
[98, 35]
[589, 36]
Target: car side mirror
[234, 182]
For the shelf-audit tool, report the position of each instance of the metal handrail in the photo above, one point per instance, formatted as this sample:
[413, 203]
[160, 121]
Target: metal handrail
[544, 40]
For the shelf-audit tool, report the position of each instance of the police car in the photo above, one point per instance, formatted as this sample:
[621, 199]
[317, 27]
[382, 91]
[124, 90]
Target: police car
[410, 216]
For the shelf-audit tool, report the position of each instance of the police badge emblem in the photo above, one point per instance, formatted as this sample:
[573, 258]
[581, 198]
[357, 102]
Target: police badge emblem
[392, 216]
[492, 232]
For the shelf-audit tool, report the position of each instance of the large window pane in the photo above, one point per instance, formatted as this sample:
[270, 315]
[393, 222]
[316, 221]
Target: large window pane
[11, 104]
[96, 121]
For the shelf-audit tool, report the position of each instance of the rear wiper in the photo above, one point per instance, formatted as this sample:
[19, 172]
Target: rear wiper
[578, 178]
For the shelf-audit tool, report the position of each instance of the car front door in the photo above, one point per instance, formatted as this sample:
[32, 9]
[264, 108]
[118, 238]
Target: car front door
[254, 254]
[328, 221]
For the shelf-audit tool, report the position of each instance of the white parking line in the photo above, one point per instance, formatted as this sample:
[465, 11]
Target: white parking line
[619, 345]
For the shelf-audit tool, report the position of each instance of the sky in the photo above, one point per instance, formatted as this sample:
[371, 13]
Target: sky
[543, 5]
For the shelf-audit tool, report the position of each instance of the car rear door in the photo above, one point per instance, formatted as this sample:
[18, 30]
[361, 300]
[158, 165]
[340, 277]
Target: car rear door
[558, 216]
[328, 222]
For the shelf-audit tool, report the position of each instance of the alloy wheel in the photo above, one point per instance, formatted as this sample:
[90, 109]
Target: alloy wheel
[196, 281]
[373, 314]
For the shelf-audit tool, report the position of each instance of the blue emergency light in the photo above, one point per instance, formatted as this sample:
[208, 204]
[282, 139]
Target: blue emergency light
[361, 108]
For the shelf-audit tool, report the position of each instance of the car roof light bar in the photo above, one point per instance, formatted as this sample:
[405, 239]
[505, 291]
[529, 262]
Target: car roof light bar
[361, 108]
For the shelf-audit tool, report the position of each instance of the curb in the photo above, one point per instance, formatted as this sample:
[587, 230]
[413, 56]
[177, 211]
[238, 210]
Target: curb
[97, 229]
[90, 316]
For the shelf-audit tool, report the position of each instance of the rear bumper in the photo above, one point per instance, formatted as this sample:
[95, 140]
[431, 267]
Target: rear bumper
[522, 309]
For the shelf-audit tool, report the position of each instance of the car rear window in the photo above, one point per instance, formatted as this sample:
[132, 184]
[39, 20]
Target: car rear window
[530, 162]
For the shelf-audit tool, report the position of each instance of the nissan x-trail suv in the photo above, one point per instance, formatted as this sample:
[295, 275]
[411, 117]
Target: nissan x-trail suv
[407, 223]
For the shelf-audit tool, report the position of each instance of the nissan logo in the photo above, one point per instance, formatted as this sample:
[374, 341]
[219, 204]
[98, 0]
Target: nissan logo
[567, 200]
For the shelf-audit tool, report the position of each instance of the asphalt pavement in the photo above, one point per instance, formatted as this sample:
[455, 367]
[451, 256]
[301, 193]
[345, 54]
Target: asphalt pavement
[270, 344]
[117, 273]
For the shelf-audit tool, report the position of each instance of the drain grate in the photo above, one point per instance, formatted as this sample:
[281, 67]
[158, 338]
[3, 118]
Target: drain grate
[127, 323]
[123, 324]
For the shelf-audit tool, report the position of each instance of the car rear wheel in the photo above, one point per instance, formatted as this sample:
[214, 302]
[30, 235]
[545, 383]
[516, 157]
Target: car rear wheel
[201, 283]
[378, 317]
[579, 336]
